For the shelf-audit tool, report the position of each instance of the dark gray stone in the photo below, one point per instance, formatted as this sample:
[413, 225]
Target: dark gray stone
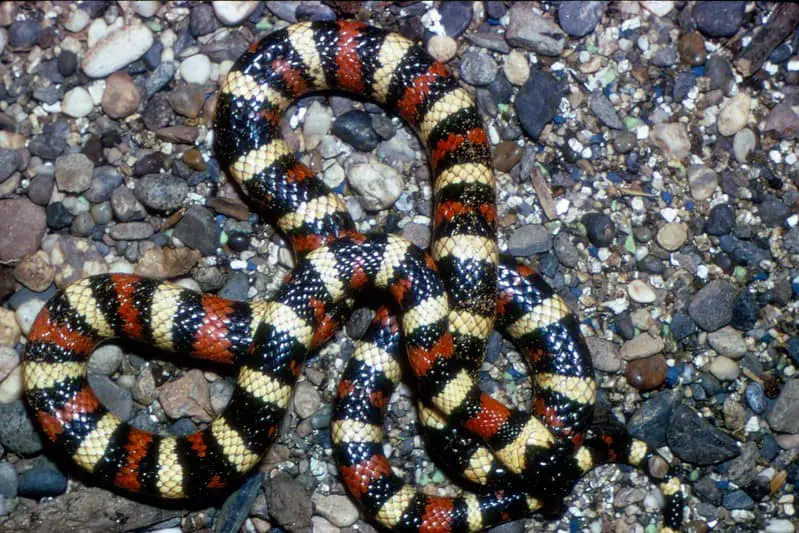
[537, 102]
[695, 440]
[578, 19]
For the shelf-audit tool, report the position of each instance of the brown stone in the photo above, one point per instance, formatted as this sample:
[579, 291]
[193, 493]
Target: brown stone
[692, 49]
[121, 97]
[23, 224]
[506, 155]
[647, 374]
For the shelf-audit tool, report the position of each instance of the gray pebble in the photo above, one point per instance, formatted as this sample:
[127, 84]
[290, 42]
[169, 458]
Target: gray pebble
[161, 192]
[478, 68]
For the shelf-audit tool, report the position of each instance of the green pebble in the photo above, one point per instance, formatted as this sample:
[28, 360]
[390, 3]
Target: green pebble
[740, 273]
[629, 244]
[651, 528]
[223, 238]
[631, 122]
[438, 476]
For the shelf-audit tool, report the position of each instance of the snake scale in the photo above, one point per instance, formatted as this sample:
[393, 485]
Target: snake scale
[512, 463]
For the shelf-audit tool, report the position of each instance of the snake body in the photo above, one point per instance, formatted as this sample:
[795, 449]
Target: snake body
[514, 462]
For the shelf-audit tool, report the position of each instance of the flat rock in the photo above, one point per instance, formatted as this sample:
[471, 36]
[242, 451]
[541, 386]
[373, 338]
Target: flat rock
[784, 414]
[695, 440]
[23, 224]
[711, 307]
[527, 29]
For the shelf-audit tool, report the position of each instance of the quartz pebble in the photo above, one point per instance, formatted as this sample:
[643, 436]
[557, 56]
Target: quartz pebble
[77, 103]
[442, 47]
[734, 114]
[232, 12]
[117, 50]
[672, 236]
[516, 68]
[641, 292]
[196, 69]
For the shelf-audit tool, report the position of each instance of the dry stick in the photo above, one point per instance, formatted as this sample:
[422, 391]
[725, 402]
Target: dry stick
[779, 26]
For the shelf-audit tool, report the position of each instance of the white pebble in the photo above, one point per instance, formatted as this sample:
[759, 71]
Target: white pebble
[117, 50]
[77, 103]
[77, 20]
[26, 314]
[232, 12]
[669, 214]
[11, 387]
[724, 368]
[196, 69]
[146, 8]
[640, 292]
[642, 132]
[775, 156]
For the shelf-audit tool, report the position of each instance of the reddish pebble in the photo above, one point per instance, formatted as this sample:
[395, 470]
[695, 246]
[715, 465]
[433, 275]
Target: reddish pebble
[646, 374]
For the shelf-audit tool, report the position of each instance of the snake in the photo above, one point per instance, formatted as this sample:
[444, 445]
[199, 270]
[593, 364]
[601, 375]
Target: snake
[438, 312]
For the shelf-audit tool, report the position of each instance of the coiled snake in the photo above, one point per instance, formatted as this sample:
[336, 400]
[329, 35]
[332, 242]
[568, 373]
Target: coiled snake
[514, 462]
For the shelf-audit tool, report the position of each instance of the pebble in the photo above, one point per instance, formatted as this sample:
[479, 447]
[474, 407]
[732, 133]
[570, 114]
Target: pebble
[131, 231]
[73, 172]
[772, 211]
[719, 70]
[35, 271]
[743, 144]
[162, 75]
[202, 20]
[665, 57]
[23, 224]
[489, 41]
[646, 374]
[196, 69]
[711, 307]
[288, 502]
[506, 155]
[239, 505]
[110, 394]
[780, 525]
[529, 240]
[77, 20]
[197, 229]
[17, 434]
[146, 8]
[232, 12]
[604, 354]
[77, 103]
[738, 499]
[318, 122]
[338, 509]
[379, 185]
[41, 482]
[642, 346]
[105, 360]
[734, 114]
[691, 47]
[604, 110]
[355, 128]
[188, 99]
[8, 163]
[516, 68]
[672, 236]
[455, 16]
[187, 396]
[641, 292]
[478, 68]
[661, 8]
[672, 139]
[755, 397]
[720, 221]
[531, 31]
[578, 19]
[695, 440]
[8, 481]
[27, 311]
[600, 229]
[729, 342]
[161, 192]
[117, 50]
[442, 47]
[744, 311]
[783, 120]
[683, 83]
[702, 182]
[121, 97]
[24, 33]
[724, 368]
[306, 399]
[719, 19]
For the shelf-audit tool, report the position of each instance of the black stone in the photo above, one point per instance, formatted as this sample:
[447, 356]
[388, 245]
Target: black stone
[355, 128]
[537, 102]
[682, 326]
[238, 241]
[455, 16]
[744, 311]
[721, 220]
[600, 229]
[40, 482]
[202, 19]
[695, 440]
[198, 229]
[23, 33]
[58, 217]
[719, 19]
[649, 423]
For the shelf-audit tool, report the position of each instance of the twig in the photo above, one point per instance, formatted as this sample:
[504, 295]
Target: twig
[779, 26]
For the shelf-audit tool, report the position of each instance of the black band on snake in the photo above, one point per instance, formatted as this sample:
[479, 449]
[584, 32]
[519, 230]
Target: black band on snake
[512, 462]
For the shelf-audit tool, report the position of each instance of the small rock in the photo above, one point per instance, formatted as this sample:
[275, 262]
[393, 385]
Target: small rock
[306, 399]
[672, 139]
[772, 211]
[289, 503]
[379, 185]
[660, 8]
[73, 172]
[188, 99]
[600, 229]
[719, 19]
[187, 396]
[738, 499]
[694, 440]
[646, 374]
[744, 311]
[478, 68]
[537, 101]
[232, 12]
[506, 155]
[125, 206]
[711, 307]
[529, 240]
[692, 48]
[743, 144]
[672, 236]
[442, 47]
[23, 224]
[719, 70]
[24, 33]
[338, 509]
[355, 128]
[455, 16]
[724, 368]
[105, 360]
[41, 482]
[178, 134]
[720, 220]
[163, 263]
[117, 399]
[35, 271]
[121, 97]
[729, 342]
[734, 114]
[649, 423]
[77, 103]
[531, 31]
[131, 231]
[146, 8]
[8, 481]
[755, 397]
[703, 182]
[578, 19]
[783, 119]
[162, 192]
[117, 50]
[604, 110]
[17, 433]
[604, 354]
[516, 68]
[196, 69]
[318, 121]
[198, 229]
[202, 20]
[644, 345]
[641, 292]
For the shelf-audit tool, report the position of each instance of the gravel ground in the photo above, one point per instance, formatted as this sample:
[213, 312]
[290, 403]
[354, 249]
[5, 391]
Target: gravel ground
[647, 166]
